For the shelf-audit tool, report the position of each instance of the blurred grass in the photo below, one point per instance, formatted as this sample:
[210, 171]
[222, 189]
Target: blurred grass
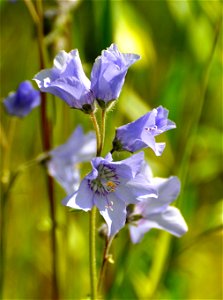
[175, 39]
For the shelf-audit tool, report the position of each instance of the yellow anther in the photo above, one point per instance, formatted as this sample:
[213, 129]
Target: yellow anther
[111, 186]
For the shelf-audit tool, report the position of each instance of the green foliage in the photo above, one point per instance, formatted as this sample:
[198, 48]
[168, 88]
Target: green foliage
[180, 45]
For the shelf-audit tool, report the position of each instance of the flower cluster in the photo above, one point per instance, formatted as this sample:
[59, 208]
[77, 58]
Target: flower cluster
[123, 191]
[111, 186]
[68, 81]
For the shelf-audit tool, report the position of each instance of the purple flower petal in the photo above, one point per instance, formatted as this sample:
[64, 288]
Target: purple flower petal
[141, 133]
[129, 167]
[21, 102]
[162, 121]
[66, 174]
[108, 73]
[63, 164]
[114, 216]
[82, 199]
[141, 187]
[79, 147]
[168, 191]
[156, 212]
[170, 220]
[110, 188]
[137, 232]
[68, 81]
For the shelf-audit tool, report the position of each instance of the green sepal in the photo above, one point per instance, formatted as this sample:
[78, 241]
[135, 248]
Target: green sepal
[105, 105]
[88, 108]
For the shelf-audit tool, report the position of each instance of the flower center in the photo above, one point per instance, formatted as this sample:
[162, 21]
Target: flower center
[106, 182]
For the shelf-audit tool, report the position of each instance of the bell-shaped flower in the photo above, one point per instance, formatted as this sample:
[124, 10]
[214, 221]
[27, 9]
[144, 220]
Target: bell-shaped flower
[156, 213]
[67, 81]
[64, 160]
[111, 186]
[141, 133]
[21, 102]
[108, 74]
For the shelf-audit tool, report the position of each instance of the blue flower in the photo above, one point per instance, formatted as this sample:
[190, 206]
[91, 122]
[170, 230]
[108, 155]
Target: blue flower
[68, 81]
[156, 213]
[111, 186]
[64, 160]
[141, 133]
[21, 102]
[108, 74]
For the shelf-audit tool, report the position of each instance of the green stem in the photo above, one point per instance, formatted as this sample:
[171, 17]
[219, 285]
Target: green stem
[97, 131]
[92, 223]
[92, 243]
[103, 118]
[32, 11]
[93, 268]
[106, 258]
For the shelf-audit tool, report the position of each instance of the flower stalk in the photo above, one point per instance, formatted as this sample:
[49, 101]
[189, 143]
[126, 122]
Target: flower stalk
[106, 258]
[93, 215]
[100, 135]
[97, 131]
[92, 243]
[37, 15]
[103, 119]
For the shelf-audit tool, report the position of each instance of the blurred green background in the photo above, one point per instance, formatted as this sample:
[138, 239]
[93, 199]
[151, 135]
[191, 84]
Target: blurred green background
[180, 43]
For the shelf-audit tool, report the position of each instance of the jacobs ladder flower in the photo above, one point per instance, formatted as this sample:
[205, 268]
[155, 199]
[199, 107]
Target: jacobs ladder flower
[68, 81]
[141, 133]
[108, 74]
[21, 102]
[111, 186]
[156, 213]
[64, 160]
